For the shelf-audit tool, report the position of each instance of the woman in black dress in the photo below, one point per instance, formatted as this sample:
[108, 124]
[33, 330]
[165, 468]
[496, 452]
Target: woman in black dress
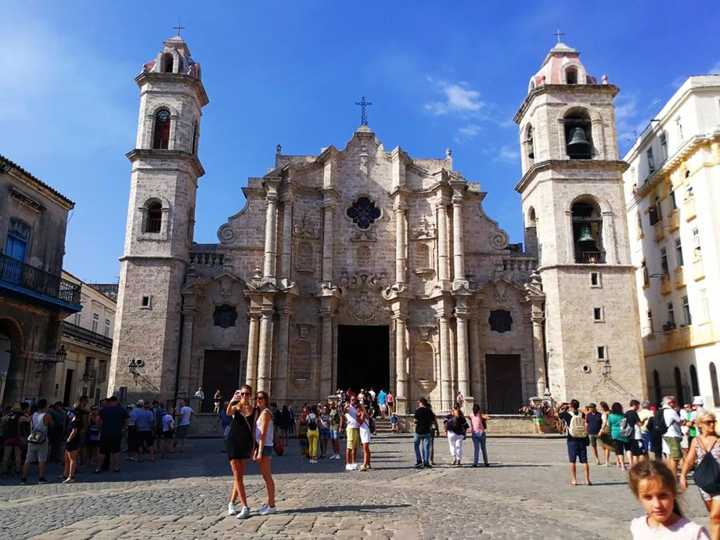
[240, 444]
[72, 447]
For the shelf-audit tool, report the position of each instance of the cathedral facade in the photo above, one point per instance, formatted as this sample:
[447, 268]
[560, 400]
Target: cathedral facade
[366, 267]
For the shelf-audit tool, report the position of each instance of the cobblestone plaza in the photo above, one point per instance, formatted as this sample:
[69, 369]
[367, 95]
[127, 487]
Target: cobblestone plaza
[524, 494]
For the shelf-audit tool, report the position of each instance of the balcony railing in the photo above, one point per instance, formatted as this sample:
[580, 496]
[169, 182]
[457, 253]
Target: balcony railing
[88, 336]
[590, 257]
[23, 276]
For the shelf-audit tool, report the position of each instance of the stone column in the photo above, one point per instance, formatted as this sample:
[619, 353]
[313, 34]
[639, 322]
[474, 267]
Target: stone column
[252, 350]
[569, 244]
[270, 260]
[326, 351]
[185, 384]
[609, 242]
[442, 241]
[458, 243]
[477, 371]
[281, 370]
[328, 237]
[445, 372]
[462, 354]
[401, 376]
[400, 240]
[285, 268]
[538, 319]
[265, 351]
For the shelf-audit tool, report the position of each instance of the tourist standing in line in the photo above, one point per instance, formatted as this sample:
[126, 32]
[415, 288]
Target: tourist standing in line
[335, 430]
[593, 424]
[390, 402]
[635, 447]
[145, 427]
[653, 483]
[577, 440]
[132, 439]
[72, 447]
[184, 413]
[478, 428]
[13, 443]
[92, 437]
[264, 438]
[456, 428]
[620, 441]
[364, 429]
[424, 419]
[382, 402]
[645, 414]
[112, 420]
[57, 434]
[167, 427]
[325, 428]
[538, 418]
[38, 445]
[352, 434]
[706, 441]
[673, 432]
[217, 401]
[240, 444]
[313, 435]
[302, 431]
[605, 436]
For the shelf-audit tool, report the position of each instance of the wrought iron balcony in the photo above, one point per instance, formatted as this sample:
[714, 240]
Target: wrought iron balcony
[26, 280]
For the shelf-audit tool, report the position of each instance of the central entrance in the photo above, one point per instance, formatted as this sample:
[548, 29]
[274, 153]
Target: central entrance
[363, 359]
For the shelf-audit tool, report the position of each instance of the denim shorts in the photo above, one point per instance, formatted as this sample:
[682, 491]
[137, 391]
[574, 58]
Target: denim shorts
[577, 451]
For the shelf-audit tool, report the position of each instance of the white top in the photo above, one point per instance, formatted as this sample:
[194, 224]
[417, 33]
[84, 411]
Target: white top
[269, 434]
[672, 421]
[351, 417]
[37, 422]
[185, 414]
[682, 529]
[167, 422]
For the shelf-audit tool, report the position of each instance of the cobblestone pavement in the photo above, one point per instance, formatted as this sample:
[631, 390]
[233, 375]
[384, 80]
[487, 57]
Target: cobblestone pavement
[524, 494]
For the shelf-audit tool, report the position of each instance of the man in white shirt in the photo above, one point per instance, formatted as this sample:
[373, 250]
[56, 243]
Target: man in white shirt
[673, 435]
[184, 414]
[352, 433]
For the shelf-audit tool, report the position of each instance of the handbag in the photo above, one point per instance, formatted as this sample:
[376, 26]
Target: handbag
[707, 473]
[36, 436]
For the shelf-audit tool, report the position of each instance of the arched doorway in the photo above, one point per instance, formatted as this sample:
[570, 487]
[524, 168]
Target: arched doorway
[12, 372]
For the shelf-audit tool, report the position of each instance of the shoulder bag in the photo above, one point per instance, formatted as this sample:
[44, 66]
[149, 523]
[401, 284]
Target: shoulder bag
[707, 472]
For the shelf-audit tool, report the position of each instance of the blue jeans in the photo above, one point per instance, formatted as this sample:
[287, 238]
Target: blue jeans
[479, 444]
[647, 442]
[425, 439]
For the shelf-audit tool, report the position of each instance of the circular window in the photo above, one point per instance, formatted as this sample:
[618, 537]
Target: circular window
[363, 212]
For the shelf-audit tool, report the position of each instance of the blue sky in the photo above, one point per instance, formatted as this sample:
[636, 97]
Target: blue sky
[440, 74]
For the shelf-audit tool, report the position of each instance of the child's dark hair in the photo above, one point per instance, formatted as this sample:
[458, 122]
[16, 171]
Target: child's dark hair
[655, 470]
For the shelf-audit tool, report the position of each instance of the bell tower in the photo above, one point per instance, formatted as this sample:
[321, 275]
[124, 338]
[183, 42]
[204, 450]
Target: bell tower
[160, 220]
[574, 218]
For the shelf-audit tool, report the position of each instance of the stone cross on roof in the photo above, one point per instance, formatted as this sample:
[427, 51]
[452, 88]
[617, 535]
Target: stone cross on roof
[558, 34]
[178, 28]
[363, 110]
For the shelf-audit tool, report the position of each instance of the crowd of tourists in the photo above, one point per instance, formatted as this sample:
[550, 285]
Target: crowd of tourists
[87, 436]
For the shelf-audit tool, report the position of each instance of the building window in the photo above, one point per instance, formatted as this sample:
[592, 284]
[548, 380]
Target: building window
[650, 321]
[695, 387]
[640, 225]
[602, 352]
[696, 242]
[587, 232]
[571, 75]
[704, 315]
[95, 320]
[663, 146]
[598, 314]
[578, 134]
[678, 252]
[195, 138]
[650, 160]
[595, 280]
[153, 218]
[658, 387]
[658, 208]
[670, 324]
[673, 201]
[166, 63]
[500, 321]
[646, 274]
[76, 319]
[679, 390]
[17, 240]
[664, 261]
[687, 317]
[530, 145]
[107, 327]
[363, 212]
[146, 302]
[714, 384]
[678, 123]
[161, 130]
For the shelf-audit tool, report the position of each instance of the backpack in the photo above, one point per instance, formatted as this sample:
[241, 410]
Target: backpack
[312, 423]
[707, 472]
[659, 425]
[576, 427]
[371, 425]
[626, 430]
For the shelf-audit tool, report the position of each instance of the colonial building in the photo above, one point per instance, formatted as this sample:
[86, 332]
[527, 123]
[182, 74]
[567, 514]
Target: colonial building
[671, 189]
[363, 266]
[34, 298]
[87, 340]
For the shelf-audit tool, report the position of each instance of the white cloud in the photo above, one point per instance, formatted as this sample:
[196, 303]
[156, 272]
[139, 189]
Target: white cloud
[508, 154]
[715, 69]
[458, 98]
[467, 132]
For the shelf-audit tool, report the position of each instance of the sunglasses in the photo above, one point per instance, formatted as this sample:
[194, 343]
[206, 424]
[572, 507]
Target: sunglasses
[246, 393]
[709, 422]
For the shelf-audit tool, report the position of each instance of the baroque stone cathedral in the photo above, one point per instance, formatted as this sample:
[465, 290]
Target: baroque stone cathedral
[366, 267]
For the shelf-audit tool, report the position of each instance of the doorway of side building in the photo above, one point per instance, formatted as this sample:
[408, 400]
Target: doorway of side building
[363, 357]
[221, 370]
[504, 383]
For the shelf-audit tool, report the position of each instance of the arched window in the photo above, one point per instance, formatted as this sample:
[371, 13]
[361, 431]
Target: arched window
[658, 387]
[161, 131]
[529, 145]
[166, 63]
[587, 232]
[578, 134]
[153, 217]
[531, 241]
[694, 381]
[714, 383]
[195, 138]
[571, 75]
[679, 391]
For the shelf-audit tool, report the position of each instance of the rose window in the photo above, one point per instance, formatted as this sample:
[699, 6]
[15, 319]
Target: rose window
[363, 212]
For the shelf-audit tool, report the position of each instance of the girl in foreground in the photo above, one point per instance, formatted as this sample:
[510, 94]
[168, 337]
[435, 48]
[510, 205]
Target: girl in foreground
[653, 484]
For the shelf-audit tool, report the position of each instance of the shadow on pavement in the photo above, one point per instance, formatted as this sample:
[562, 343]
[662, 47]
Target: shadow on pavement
[368, 508]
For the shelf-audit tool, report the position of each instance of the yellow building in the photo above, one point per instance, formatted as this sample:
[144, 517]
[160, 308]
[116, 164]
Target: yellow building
[672, 189]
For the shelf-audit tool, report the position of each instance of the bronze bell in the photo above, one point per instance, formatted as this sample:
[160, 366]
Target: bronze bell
[578, 144]
[586, 236]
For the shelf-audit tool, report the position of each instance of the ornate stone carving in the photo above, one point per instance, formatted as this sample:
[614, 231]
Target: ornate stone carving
[306, 227]
[363, 281]
[426, 230]
[364, 307]
[498, 239]
[226, 234]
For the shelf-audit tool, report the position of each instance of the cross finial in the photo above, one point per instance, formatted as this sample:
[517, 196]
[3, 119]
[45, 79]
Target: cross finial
[558, 34]
[178, 28]
[364, 104]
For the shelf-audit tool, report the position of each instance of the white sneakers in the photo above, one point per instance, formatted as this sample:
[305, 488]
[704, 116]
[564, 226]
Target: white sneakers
[313, 461]
[231, 509]
[244, 513]
[335, 456]
[265, 510]
[351, 467]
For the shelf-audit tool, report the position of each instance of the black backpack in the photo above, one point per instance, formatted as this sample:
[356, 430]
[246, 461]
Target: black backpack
[659, 426]
[312, 424]
[707, 472]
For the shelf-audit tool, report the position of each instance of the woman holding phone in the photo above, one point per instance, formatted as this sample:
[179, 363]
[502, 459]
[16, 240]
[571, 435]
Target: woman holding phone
[240, 446]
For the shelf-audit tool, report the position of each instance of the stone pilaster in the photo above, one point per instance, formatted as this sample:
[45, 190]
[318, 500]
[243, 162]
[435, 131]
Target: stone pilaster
[442, 228]
[458, 236]
[329, 203]
[265, 352]
[280, 381]
[252, 350]
[477, 363]
[401, 247]
[271, 214]
[446, 396]
[285, 257]
[538, 330]
[462, 351]
[326, 349]
[401, 350]
[185, 382]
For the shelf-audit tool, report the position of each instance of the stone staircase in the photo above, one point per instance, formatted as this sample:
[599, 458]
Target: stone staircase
[382, 426]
